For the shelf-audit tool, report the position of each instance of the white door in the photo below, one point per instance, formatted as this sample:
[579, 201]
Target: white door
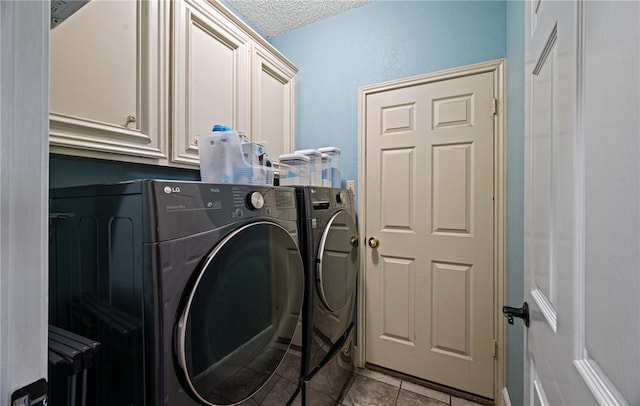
[582, 212]
[429, 153]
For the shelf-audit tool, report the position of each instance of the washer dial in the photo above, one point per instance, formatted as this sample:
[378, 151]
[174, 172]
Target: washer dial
[255, 201]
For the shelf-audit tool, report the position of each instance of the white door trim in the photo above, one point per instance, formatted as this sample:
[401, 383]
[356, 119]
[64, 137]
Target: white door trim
[24, 191]
[497, 67]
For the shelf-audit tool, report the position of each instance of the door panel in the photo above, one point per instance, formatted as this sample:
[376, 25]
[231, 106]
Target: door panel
[451, 325]
[611, 280]
[108, 74]
[451, 185]
[429, 285]
[397, 170]
[582, 210]
[399, 302]
[543, 183]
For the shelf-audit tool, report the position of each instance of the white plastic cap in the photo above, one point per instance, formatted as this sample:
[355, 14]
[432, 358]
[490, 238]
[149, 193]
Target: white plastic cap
[308, 152]
[329, 149]
[294, 157]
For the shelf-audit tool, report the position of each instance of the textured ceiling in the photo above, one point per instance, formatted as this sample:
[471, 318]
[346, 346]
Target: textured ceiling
[275, 17]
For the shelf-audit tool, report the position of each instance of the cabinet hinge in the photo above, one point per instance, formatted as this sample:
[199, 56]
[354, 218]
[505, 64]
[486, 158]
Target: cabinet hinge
[495, 348]
[494, 106]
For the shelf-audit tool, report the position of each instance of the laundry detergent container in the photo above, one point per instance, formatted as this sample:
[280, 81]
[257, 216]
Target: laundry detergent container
[334, 153]
[315, 165]
[226, 158]
[294, 170]
[326, 171]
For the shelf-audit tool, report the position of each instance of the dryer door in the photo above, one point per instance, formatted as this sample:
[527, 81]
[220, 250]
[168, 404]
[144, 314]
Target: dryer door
[240, 316]
[337, 269]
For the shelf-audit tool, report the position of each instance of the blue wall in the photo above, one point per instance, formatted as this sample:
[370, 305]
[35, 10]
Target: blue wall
[377, 42]
[515, 193]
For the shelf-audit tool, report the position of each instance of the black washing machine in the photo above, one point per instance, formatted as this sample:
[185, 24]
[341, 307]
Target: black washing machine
[329, 244]
[195, 290]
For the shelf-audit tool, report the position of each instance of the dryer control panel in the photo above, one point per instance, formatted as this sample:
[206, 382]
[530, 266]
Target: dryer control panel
[181, 206]
[328, 198]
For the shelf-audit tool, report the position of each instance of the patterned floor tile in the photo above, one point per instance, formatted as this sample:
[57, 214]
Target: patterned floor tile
[407, 398]
[369, 392]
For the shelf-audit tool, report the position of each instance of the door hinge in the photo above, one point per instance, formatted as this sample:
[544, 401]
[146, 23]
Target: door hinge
[495, 348]
[494, 106]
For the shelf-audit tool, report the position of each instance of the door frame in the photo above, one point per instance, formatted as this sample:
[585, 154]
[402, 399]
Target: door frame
[497, 68]
[24, 190]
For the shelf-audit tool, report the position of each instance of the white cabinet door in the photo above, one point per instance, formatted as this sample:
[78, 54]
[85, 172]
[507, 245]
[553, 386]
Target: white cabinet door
[210, 73]
[273, 96]
[109, 82]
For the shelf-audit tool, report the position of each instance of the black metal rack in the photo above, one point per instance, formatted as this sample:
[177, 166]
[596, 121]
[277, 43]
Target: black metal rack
[70, 358]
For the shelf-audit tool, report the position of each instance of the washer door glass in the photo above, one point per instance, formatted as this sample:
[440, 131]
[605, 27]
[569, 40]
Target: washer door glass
[239, 319]
[338, 262]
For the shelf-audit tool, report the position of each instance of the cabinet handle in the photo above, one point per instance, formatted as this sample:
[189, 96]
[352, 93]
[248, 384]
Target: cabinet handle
[130, 119]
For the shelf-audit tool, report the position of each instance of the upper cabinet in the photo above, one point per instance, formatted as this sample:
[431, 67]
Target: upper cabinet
[211, 75]
[273, 95]
[138, 81]
[108, 95]
[226, 74]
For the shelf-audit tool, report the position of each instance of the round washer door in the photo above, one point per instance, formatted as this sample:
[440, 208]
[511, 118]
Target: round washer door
[337, 270]
[240, 316]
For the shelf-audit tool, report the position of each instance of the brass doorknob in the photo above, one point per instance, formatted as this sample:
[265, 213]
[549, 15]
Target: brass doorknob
[374, 242]
[354, 241]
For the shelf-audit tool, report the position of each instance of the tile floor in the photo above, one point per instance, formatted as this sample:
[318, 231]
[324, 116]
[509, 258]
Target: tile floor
[371, 388]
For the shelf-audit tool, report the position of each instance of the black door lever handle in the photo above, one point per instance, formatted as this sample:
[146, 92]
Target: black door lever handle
[519, 312]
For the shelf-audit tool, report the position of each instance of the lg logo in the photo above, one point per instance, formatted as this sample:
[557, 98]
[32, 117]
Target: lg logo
[169, 189]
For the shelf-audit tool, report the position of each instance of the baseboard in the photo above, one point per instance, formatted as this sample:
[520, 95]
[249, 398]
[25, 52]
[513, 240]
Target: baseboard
[506, 400]
[432, 385]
